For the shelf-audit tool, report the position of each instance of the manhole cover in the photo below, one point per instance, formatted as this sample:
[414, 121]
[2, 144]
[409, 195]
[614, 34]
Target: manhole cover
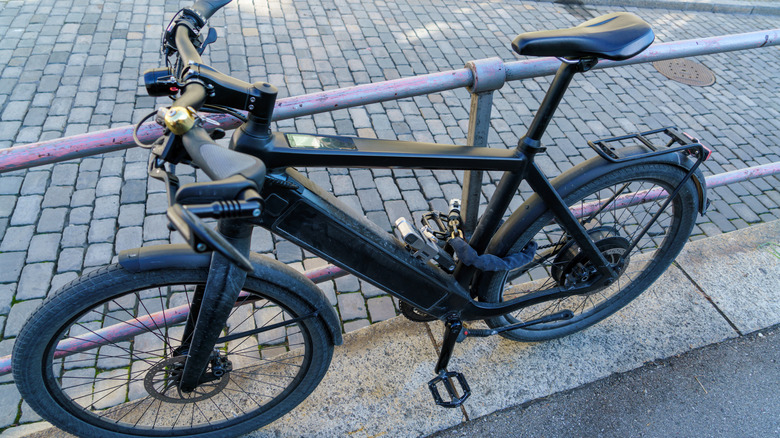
[686, 71]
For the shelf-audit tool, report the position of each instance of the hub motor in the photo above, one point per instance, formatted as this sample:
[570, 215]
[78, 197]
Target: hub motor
[571, 266]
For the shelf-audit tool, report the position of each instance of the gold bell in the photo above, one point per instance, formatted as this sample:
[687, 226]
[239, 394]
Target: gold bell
[179, 119]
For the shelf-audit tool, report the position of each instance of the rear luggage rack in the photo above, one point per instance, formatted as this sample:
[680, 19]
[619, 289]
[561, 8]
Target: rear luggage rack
[684, 143]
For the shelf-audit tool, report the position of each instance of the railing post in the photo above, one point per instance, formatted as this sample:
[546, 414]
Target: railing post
[489, 75]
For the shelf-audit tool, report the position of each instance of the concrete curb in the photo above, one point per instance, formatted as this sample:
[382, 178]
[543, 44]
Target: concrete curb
[728, 7]
[719, 288]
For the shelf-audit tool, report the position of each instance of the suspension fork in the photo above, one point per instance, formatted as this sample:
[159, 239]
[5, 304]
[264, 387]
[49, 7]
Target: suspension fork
[224, 284]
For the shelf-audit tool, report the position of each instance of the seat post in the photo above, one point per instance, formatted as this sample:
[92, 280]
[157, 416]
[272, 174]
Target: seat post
[554, 95]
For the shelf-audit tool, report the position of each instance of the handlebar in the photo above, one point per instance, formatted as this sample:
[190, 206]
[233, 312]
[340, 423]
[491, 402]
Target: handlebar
[207, 8]
[217, 162]
[187, 51]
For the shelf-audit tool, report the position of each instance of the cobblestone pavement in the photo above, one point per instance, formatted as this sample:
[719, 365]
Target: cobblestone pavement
[75, 67]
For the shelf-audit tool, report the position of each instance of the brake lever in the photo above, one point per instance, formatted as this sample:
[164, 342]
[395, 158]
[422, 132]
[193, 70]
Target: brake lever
[210, 38]
[203, 238]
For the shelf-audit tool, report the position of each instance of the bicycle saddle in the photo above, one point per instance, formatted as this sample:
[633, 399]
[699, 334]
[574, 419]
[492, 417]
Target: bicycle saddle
[614, 36]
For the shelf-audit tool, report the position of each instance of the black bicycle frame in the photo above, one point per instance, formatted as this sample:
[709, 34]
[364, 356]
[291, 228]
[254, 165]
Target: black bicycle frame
[300, 211]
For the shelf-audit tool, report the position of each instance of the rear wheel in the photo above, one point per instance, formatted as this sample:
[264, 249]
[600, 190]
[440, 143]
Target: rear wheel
[100, 357]
[614, 228]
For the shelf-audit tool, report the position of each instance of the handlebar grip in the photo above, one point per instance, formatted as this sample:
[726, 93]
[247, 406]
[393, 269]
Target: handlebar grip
[207, 8]
[218, 162]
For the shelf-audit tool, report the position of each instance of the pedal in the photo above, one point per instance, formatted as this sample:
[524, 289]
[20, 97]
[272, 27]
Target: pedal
[446, 378]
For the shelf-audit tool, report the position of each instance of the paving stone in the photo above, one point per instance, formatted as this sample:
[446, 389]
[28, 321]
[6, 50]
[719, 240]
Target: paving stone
[82, 197]
[98, 254]
[102, 231]
[128, 238]
[52, 220]
[357, 324]
[28, 415]
[10, 185]
[157, 203]
[74, 235]
[329, 289]
[9, 400]
[156, 228]
[108, 186]
[287, 252]
[18, 315]
[342, 185]
[64, 174]
[133, 191]
[351, 306]
[7, 205]
[17, 238]
[380, 309]
[35, 280]
[369, 290]
[106, 207]
[57, 196]
[262, 241]
[130, 215]
[43, 247]
[60, 280]
[348, 283]
[71, 259]
[6, 297]
[80, 216]
[27, 210]
[370, 200]
[387, 189]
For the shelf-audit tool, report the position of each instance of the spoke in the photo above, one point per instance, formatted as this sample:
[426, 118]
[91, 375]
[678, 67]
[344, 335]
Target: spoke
[266, 323]
[176, 420]
[144, 413]
[162, 336]
[272, 361]
[202, 413]
[165, 319]
[108, 342]
[259, 405]
[218, 408]
[142, 325]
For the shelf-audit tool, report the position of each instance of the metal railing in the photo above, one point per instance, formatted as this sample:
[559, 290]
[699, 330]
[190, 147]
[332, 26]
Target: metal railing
[480, 77]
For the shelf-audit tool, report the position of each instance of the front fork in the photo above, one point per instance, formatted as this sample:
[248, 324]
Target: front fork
[212, 305]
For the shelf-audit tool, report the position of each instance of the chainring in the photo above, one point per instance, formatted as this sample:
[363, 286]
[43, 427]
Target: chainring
[414, 314]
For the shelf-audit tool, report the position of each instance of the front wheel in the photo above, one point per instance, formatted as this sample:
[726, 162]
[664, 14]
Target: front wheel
[614, 228]
[102, 357]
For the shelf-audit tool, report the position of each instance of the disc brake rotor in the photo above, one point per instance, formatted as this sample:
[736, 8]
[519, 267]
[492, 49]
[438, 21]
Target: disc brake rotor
[162, 383]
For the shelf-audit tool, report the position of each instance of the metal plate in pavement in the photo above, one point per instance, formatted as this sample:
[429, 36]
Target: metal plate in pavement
[686, 71]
